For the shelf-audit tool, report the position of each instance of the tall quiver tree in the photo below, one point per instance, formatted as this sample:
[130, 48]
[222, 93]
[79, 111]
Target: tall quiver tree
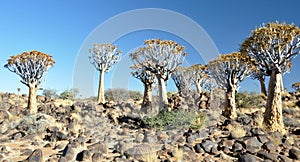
[31, 67]
[273, 46]
[199, 76]
[160, 57]
[182, 81]
[228, 71]
[147, 78]
[103, 57]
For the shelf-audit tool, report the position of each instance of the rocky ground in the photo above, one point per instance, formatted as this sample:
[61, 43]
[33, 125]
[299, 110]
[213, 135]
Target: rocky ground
[84, 131]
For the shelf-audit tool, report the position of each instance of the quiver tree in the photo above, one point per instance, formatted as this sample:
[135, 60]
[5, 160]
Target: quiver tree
[260, 76]
[147, 78]
[103, 57]
[31, 67]
[199, 76]
[160, 57]
[273, 46]
[182, 80]
[228, 71]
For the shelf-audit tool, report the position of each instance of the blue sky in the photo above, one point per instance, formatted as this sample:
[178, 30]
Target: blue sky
[60, 28]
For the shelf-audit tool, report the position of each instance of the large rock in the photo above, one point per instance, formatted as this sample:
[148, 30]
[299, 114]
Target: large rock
[84, 155]
[208, 146]
[36, 156]
[294, 153]
[267, 156]
[247, 158]
[252, 144]
[98, 148]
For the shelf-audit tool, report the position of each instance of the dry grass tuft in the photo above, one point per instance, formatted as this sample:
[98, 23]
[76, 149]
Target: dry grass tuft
[178, 154]
[237, 131]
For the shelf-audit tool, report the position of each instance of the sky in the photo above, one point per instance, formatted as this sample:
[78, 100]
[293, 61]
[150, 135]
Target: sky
[66, 29]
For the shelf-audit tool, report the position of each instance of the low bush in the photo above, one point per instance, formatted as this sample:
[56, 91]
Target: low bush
[175, 119]
[250, 100]
[122, 94]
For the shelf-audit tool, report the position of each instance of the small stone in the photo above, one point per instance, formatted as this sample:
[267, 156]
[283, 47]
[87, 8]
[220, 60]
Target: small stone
[18, 135]
[237, 147]
[263, 138]
[96, 157]
[257, 132]
[61, 136]
[270, 146]
[284, 158]
[247, 158]
[98, 148]
[36, 156]
[207, 145]
[268, 156]
[294, 153]
[84, 155]
[198, 148]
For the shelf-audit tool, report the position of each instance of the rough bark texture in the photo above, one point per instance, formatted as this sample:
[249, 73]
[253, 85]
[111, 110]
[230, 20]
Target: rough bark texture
[162, 92]
[199, 90]
[263, 86]
[32, 104]
[147, 96]
[273, 115]
[101, 98]
[230, 107]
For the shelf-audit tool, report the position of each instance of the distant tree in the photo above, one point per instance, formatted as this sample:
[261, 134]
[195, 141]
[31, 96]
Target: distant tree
[182, 80]
[103, 57]
[296, 86]
[69, 94]
[52, 93]
[31, 67]
[160, 57]
[273, 46]
[260, 76]
[147, 78]
[228, 71]
[199, 77]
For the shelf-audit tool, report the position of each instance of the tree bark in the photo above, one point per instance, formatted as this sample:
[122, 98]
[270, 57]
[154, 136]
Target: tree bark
[162, 92]
[147, 96]
[281, 83]
[32, 104]
[101, 98]
[263, 86]
[198, 87]
[273, 115]
[230, 107]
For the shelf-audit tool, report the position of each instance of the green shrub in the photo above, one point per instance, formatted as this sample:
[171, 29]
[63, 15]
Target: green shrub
[249, 100]
[175, 119]
[52, 93]
[122, 94]
[69, 94]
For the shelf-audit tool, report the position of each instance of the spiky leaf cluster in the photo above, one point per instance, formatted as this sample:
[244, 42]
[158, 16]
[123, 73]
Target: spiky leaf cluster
[230, 69]
[141, 73]
[273, 46]
[160, 57]
[199, 75]
[182, 80]
[30, 66]
[104, 56]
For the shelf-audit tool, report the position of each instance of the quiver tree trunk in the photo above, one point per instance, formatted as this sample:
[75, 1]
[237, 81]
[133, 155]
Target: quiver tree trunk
[101, 98]
[32, 104]
[162, 92]
[263, 86]
[273, 115]
[198, 87]
[230, 107]
[147, 95]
